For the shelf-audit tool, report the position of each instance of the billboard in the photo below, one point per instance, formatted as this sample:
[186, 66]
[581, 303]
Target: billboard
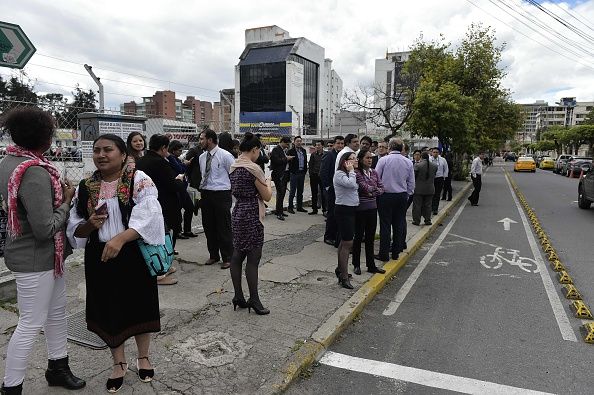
[277, 123]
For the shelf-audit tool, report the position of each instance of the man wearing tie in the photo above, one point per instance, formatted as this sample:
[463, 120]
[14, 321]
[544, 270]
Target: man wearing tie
[215, 189]
[476, 173]
[442, 173]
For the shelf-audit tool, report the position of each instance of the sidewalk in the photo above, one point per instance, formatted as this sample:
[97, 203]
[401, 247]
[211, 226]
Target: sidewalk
[207, 348]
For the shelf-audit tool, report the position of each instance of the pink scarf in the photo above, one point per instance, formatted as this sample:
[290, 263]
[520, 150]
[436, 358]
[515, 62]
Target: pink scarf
[14, 226]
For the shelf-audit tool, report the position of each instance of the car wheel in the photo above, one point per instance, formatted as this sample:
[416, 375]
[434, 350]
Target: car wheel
[582, 201]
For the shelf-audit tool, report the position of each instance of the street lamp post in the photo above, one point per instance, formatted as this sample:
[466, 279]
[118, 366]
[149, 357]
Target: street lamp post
[298, 119]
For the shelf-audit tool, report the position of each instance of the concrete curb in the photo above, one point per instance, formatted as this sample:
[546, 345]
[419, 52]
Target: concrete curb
[314, 347]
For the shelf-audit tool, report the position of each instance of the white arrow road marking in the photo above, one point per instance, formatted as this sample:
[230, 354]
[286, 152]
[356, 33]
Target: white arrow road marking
[558, 311]
[422, 377]
[402, 292]
[17, 45]
[506, 223]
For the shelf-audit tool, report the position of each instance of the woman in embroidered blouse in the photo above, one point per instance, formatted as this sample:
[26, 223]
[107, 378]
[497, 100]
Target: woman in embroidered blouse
[122, 299]
[370, 187]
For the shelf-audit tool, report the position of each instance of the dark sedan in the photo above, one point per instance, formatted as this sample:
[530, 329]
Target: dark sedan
[573, 167]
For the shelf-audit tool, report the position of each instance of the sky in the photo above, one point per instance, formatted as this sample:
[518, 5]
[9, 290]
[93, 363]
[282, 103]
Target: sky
[191, 47]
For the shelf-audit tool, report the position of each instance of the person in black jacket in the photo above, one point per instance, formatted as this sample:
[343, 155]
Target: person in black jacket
[315, 164]
[278, 166]
[297, 171]
[447, 182]
[263, 158]
[169, 184]
[327, 177]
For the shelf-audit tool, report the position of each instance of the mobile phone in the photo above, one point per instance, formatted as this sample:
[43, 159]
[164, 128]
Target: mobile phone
[101, 209]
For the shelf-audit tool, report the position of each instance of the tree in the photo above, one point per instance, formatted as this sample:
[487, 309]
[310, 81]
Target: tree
[84, 101]
[16, 91]
[54, 103]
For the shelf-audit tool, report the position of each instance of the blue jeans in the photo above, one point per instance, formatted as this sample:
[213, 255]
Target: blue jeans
[297, 181]
[392, 213]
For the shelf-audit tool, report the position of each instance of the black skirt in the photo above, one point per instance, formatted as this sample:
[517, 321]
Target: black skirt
[122, 297]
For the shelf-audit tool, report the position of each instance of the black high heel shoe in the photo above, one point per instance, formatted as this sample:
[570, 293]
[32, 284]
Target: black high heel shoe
[337, 272]
[257, 306]
[239, 302]
[114, 385]
[345, 284]
[145, 375]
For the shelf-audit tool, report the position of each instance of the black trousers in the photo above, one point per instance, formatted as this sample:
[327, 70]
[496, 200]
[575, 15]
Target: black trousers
[297, 184]
[477, 183]
[365, 226]
[316, 183]
[392, 212]
[331, 227]
[188, 206]
[280, 185]
[216, 220]
[438, 183]
[447, 189]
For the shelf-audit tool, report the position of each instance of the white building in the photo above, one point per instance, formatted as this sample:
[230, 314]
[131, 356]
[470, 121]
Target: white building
[284, 85]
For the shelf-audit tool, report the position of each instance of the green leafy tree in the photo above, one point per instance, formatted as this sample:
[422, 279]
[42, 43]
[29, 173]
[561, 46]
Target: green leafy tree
[16, 91]
[84, 101]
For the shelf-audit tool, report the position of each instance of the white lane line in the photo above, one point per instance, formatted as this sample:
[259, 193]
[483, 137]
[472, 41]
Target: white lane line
[402, 292]
[419, 376]
[474, 240]
[560, 315]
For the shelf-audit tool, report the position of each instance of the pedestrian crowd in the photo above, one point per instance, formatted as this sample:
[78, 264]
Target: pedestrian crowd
[139, 193]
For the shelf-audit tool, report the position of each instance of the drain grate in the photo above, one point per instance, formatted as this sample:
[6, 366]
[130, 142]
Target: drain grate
[79, 334]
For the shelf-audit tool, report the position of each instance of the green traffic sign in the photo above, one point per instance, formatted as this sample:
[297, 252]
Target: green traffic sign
[15, 47]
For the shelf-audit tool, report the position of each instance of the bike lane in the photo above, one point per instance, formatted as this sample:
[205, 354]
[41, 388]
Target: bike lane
[477, 319]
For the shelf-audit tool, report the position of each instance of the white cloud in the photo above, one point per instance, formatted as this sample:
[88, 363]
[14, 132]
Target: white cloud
[198, 43]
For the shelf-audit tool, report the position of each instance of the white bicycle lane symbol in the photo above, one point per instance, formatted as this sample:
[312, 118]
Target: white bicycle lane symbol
[495, 261]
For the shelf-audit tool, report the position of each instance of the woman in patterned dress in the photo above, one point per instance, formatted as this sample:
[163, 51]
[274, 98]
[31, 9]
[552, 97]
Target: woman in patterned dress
[113, 208]
[250, 189]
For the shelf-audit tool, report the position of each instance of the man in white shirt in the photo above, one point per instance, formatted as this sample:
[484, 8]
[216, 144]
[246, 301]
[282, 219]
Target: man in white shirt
[442, 173]
[476, 173]
[215, 190]
[351, 144]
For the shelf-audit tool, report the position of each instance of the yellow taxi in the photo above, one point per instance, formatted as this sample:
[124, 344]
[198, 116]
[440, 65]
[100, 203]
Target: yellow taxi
[525, 163]
[547, 163]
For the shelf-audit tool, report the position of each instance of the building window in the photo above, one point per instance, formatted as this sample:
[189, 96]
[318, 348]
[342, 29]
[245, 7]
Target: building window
[263, 87]
[310, 92]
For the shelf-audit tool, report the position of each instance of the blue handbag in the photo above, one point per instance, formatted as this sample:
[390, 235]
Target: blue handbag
[158, 258]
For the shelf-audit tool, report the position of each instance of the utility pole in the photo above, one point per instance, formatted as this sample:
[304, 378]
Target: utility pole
[298, 119]
[99, 84]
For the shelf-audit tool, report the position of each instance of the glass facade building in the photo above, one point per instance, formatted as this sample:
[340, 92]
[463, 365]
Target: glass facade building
[310, 93]
[263, 87]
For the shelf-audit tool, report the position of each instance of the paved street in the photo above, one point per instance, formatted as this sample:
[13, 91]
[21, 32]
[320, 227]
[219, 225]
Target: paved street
[476, 310]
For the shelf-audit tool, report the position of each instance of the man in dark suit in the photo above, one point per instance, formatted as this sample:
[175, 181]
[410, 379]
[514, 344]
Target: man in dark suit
[278, 166]
[193, 172]
[315, 164]
[168, 184]
[327, 176]
[263, 158]
[297, 172]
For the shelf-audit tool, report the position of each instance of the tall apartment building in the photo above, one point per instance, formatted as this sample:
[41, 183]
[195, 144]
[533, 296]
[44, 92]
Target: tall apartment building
[284, 85]
[202, 111]
[164, 104]
[540, 115]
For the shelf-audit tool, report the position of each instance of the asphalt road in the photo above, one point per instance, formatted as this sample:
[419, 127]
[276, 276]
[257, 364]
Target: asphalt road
[465, 316]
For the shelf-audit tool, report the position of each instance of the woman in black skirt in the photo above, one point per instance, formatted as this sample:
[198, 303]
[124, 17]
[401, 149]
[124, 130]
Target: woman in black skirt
[113, 208]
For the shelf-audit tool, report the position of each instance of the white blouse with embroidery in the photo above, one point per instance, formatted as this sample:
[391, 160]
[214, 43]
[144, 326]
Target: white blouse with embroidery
[146, 217]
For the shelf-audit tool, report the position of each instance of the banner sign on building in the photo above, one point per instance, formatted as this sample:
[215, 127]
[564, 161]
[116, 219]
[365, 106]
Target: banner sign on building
[266, 122]
[121, 129]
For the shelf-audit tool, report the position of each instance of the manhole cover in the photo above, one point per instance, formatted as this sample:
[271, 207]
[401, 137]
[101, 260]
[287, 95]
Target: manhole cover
[212, 349]
[79, 334]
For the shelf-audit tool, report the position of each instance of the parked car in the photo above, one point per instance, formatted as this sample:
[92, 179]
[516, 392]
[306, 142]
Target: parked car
[561, 160]
[510, 157]
[525, 163]
[573, 167]
[547, 163]
[586, 187]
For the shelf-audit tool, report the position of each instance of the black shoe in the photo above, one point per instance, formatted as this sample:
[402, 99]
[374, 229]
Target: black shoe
[435, 213]
[337, 272]
[381, 258]
[239, 302]
[428, 223]
[196, 207]
[257, 306]
[190, 234]
[330, 242]
[346, 284]
[15, 390]
[175, 252]
[449, 199]
[302, 210]
[474, 204]
[375, 269]
[395, 256]
[114, 385]
[280, 217]
[291, 211]
[58, 374]
[285, 215]
[357, 270]
[313, 212]
[181, 236]
[416, 223]
[145, 375]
